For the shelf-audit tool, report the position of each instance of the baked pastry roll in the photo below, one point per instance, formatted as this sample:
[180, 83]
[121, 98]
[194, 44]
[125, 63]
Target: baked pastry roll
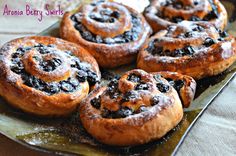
[163, 13]
[111, 32]
[197, 49]
[135, 109]
[46, 76]
[183, 84]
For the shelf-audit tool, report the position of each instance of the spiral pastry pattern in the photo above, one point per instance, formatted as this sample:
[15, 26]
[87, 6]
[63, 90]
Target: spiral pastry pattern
[189, 48]
[45, 75]
[136, 108]
[163, 13]
[112, 32]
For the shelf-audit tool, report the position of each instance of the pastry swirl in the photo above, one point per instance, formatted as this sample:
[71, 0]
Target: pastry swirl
[135, 109]
[112, 33]
[46, 76]
[183, 84]
[163, 13]
[197, 49]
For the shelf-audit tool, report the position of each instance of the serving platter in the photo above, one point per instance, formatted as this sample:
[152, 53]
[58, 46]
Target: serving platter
[67, 136]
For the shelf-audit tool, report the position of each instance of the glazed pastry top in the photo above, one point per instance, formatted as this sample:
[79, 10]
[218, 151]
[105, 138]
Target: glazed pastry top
[47, 68]
[134, 93]
[187, 39]
[108, 23]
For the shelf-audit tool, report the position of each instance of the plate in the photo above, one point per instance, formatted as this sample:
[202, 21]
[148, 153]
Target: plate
[61, 137]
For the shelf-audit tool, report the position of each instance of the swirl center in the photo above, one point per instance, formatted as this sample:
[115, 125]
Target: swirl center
[50, 67]
[106, 19]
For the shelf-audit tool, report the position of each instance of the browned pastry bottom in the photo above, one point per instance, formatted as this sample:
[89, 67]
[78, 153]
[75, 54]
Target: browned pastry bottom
[135, 109]
[111, 32]
[197, 49]
[46, 76]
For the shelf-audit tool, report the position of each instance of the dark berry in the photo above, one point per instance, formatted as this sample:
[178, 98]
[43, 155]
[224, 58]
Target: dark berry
[213, 13]
[74, 82]
[51, 88]
[107, 75]
[178, 84]
[195, 2]
[194, 18]
[50, 65]
[16, 54]
[96, 102]
[17, 69]
[198, 28]
[32, 81]
[188, 34]
[119, 40]
[157, 50]
[151, 46]
[105, 113]
[123, 112]
[92, 77]
[142, 109]
[178, 5]
[20, 49]
[208, 42]
[81, 76]
[155, 100]
[163, 87]
[130, 95]
[109, 41]
[141, 86]
[115, 14]
[178, 53]
[51, 45]
[73, 18]
[157, 77]
[188, 50]
[87, 35]
[111, 20]
[43, 49]
[115, 94]
[112, 89]
[177, 19]
[99, 39]
[134, 78]
[154, 50]
[67, 87]
[76, 63]
[113, 83]
[223, 34]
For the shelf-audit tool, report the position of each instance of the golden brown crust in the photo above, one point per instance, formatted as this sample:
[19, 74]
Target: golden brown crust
[206, 53]
[163, 110]
[185, 85]
[35, 101]
[215, 13]
[107, 55]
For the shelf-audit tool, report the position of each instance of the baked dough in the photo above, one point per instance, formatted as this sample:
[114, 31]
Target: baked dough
[46, 76]
[111, 32]
[197, 49]
[163, 13]
[135, 109]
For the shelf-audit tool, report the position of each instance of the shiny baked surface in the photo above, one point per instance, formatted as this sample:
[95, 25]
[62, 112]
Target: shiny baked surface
[113, 33]
[189, 48]
[136, 108]
[163, 13]
[46, 75]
